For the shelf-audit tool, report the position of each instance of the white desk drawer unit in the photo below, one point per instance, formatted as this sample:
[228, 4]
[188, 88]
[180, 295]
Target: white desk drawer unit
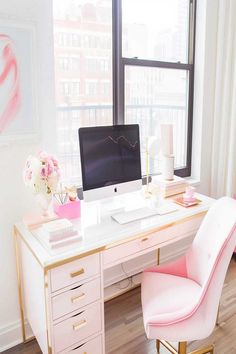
[75, 298]
[76, 305]
[74, 272]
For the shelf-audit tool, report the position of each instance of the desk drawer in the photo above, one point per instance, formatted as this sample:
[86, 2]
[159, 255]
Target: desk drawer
[76, 298]
[160, 238]
[74, 272]
[94, 346]
[77, 327]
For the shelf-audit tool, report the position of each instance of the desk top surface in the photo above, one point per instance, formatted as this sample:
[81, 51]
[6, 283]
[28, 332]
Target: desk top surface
[99, 231]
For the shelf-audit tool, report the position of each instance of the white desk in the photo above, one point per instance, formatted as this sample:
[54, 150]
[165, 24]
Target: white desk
[61, 291]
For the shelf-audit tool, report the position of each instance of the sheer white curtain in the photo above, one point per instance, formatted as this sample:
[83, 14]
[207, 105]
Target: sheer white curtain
[223, 166]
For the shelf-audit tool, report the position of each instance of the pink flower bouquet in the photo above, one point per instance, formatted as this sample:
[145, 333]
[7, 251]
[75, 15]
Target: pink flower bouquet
[41, 173]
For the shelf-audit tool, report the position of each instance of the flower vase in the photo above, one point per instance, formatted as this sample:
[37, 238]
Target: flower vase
[44, 201]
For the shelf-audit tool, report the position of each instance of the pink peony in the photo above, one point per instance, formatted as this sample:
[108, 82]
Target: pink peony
[41, 173]
[49, 166]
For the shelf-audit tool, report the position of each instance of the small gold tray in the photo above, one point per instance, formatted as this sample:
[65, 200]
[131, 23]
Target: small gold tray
[182, 202]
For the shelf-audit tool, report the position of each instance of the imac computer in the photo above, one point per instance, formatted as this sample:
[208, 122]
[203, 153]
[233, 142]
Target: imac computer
[110, 160]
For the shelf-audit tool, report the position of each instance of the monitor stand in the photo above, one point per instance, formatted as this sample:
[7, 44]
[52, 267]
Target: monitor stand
[123, 203]
[112, 205]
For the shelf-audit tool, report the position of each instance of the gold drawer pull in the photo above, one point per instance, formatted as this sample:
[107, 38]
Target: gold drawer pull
[78, 272]
[79, 325]
[145, 239]
[77, 298]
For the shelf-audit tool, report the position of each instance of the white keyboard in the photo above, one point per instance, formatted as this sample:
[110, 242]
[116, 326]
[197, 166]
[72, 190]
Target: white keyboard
[145, 212]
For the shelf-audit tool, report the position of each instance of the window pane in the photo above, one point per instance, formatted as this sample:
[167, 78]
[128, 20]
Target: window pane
[83, 72]
[154, 96]
[155, 29]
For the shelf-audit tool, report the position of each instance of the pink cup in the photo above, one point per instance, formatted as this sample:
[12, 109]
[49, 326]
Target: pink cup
[189, 194]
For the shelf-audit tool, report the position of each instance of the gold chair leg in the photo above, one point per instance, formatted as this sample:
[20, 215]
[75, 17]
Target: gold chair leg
[158, 256]
[182, 348]
[158, 346]
[168, 346]
[218, 317]
[206, 350]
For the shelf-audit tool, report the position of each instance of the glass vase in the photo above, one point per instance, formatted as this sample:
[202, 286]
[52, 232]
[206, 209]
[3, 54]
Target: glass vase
[44, 201]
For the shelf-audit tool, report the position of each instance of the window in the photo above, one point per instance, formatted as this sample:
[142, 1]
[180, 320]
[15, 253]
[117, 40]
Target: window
[91, 88]
[82, 32]
[115, 65]
[154, 62]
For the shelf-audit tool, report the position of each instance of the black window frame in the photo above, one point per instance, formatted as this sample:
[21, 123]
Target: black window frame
[119, 64]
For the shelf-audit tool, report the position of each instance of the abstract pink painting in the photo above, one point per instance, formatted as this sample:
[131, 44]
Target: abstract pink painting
[18, 80]
[9, 82]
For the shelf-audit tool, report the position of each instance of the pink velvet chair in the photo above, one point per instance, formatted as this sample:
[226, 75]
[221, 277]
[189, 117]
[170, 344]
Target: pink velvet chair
[180, 300]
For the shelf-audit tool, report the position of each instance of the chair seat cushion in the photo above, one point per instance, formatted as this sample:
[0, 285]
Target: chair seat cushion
[168, 299]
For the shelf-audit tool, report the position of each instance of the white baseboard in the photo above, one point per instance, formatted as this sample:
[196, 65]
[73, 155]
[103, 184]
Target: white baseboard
[11, 336]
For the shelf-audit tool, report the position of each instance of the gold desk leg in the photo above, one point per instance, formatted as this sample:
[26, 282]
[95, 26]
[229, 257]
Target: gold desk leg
[182, 348]
[20, 295]
[158, 256]
[47, 312]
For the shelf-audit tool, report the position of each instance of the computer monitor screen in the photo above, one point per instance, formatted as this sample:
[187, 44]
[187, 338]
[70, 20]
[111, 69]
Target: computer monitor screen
[110, 155]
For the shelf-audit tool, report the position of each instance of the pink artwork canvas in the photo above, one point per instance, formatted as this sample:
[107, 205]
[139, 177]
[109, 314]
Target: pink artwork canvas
[17, 80]
[9, 79]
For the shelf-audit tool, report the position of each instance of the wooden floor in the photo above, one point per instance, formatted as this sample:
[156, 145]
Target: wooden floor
[125, 333]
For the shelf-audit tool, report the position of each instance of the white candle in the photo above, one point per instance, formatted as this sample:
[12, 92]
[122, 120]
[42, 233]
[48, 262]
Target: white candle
[167, 139]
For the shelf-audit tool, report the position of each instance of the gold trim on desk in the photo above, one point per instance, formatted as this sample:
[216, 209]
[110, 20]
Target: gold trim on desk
[111, 245]
[60, 262]
[46, 297]
[17, 232]
[20, 294]
[73, 258]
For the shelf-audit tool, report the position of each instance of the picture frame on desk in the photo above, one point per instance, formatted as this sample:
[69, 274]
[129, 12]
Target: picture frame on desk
[18, 81]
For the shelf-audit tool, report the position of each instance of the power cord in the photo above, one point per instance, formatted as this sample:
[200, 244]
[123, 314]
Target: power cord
[128, 278]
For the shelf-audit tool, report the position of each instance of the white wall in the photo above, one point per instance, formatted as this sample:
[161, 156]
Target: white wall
[15, 200]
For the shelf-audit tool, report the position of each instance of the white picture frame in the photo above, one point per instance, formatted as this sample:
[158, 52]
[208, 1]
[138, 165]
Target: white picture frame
[24, 124]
